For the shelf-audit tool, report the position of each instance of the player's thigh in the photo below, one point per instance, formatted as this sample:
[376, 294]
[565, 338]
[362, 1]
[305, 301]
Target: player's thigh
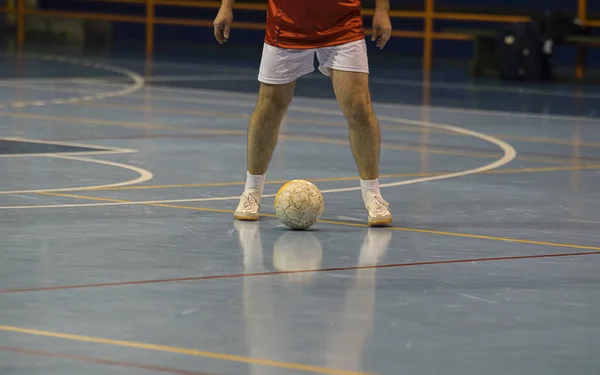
[352, 93]
[280, 66]
[348, 66]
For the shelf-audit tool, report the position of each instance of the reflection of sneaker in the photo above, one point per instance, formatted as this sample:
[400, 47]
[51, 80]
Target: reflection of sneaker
[249, 206]
[375, 246]
[378, 209]
[249, 238]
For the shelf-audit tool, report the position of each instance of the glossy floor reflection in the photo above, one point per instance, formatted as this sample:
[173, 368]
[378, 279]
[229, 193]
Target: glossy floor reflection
[119, 253]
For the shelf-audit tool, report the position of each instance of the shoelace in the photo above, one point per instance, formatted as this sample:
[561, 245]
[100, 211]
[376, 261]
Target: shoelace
[249, 202]
[377, 204]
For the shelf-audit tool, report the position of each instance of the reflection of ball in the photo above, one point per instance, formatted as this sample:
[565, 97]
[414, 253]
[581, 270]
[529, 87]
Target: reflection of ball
[299, 204]
[295, 251]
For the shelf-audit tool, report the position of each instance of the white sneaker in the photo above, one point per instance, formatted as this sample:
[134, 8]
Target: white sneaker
[378, 209]
[249, 206]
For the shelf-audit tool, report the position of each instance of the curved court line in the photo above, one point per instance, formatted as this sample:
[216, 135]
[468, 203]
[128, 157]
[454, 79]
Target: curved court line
[145, 175]
[138, 83]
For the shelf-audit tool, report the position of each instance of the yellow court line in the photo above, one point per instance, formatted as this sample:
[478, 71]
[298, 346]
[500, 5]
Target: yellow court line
[147, 126]
[173, 349]
[344, 223]
[356, 178]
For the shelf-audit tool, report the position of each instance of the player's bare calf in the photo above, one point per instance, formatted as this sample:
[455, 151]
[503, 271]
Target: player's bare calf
[263, 129]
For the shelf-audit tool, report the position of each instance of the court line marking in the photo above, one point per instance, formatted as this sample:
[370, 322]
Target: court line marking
[316, 270]
[138, 82]
[100, 361]
[383, 126]
[144, 175]
[110, 201]
[178, 350]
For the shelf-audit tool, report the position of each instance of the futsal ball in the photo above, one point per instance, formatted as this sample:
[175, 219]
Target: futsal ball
[299, 204]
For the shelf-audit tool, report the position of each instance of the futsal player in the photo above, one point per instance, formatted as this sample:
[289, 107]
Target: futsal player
[296, 31]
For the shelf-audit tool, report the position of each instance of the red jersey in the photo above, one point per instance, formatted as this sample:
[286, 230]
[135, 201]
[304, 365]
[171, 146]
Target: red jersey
[305, 24]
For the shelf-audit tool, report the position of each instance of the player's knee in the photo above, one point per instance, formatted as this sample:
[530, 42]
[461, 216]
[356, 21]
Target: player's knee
[274, 100]
[359, 111]
[278, 103]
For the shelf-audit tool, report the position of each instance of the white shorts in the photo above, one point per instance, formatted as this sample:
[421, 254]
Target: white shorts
[279, 66]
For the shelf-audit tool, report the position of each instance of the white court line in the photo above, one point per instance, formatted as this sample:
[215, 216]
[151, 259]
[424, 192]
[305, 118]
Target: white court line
[144, 176]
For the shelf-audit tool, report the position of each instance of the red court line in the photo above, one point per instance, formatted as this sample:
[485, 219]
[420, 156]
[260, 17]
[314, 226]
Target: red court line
[274, 273]
[101, 361]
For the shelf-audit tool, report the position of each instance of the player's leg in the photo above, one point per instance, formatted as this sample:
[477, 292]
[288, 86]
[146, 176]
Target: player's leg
[349, 70]
[278, 73]
[352, 92]
[263, 128]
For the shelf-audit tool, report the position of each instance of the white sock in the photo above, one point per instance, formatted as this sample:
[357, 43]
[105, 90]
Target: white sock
[369, 185]
[255, 181]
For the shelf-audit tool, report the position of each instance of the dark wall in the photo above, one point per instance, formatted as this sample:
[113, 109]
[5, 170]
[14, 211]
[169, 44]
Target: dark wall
[402, 46]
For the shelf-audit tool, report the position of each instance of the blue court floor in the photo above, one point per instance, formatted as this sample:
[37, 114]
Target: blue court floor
[119, 255]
